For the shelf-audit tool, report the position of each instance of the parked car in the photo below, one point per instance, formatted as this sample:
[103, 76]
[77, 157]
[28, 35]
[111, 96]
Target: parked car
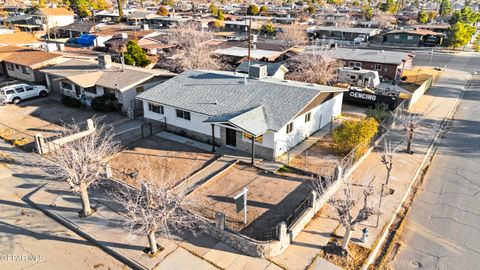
[18, 92]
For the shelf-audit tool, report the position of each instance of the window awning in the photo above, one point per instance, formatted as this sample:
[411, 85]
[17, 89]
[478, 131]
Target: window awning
[251, 121]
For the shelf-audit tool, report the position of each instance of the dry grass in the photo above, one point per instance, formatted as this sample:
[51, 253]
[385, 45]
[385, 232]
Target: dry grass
[353, 261]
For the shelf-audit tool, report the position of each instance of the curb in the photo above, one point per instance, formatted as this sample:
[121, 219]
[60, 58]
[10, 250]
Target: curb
[72, 226]
[373, 254]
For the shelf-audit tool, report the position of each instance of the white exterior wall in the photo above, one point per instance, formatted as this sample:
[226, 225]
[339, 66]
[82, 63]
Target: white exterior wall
[126, 96]
[57, 21]
[195, 124]
[18, 73]
[320, 117]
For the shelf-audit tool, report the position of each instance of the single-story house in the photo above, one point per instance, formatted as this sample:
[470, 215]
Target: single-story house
[25, 64]
[341, 33]
[261, 113]
[413, 37]
[85, 80]
[389, 64]
[55, 17]
[20, 39]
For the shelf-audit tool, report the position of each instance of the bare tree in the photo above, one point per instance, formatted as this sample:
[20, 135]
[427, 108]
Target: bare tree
[345, 202]
[154, 210]
[383, 19]
[82, 162]
[387, 158]
[292, 37]
[193, 50]
[313, 68]
[410, 124]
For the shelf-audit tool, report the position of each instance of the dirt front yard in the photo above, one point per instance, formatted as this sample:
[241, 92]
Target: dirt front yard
[47, 116]
[319, 158]
[159, 159]
[271, 198]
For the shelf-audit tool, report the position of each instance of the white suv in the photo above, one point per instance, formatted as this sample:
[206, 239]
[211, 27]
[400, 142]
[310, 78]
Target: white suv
[18, 92]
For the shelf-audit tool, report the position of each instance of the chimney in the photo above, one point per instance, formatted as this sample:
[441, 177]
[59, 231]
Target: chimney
[104, 61]
[258, 71]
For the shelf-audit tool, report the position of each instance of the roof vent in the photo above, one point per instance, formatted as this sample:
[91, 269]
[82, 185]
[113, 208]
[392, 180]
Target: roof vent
[104, 61]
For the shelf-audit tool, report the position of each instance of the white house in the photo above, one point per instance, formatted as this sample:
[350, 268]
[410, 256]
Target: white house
[229, 109]
[54, 17]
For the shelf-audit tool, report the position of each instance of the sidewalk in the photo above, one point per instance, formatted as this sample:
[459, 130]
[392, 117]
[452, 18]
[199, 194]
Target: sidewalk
[184, 252]
[436, 104]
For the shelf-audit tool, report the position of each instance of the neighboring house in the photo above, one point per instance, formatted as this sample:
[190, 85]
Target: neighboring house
[341, 33]
[85, 80]
[413, 37]
[20, 39]
[236, 111]
[234, 51]
[25, 64]
[54, 17]
[75, 30]
[389, 64]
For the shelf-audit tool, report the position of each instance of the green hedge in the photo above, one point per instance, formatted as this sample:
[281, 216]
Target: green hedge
[71, 102]
[106, 103]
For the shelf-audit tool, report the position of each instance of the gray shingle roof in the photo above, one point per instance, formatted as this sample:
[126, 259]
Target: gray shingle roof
[376, 56]
[113, 77]
[252, 121]
[225, 95]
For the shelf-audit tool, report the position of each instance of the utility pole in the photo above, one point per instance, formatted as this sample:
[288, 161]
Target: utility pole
[249, 42]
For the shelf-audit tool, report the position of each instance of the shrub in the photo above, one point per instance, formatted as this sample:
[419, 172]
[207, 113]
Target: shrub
[106, 103]
[380, 112]
[351, 134]
[71, 102]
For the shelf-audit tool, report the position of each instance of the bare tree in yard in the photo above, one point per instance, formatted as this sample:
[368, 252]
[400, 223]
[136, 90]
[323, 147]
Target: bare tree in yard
[313, 68]
[292, 37]
[155, 210]
[387, 158]
[410, 124]
[344, 204]
[82, 162]
[193, 50]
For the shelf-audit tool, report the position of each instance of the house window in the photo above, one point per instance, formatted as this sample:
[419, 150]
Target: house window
[25, 70]
[155, 108]
[308, 117]
[10, 67]
[377, 67]
[17, 66]
[140, 89]
[289, 127]
[409, 37]
[183, 114]
[91, 90]
[396, 36]
[67, 86]
[354, 64]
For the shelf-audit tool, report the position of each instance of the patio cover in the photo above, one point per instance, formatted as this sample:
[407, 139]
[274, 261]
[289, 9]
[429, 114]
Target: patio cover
[251, 121]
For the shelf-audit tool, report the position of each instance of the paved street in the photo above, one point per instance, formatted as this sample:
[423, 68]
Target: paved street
[442, 229]
[465, 61]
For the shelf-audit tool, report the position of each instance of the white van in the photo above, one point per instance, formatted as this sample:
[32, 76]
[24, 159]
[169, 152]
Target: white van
[18, 92]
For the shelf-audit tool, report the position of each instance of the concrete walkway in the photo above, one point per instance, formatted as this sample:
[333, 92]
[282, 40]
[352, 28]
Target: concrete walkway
[307, 143]
[435, 105]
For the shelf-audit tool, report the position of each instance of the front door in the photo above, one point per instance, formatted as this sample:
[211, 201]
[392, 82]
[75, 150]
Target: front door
[231, 137]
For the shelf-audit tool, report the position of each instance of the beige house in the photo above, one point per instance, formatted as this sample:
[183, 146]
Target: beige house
[24, 64]
[85, 80]
[55, 17]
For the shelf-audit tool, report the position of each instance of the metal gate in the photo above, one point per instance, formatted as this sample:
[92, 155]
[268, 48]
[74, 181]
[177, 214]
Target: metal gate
[137, 108]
